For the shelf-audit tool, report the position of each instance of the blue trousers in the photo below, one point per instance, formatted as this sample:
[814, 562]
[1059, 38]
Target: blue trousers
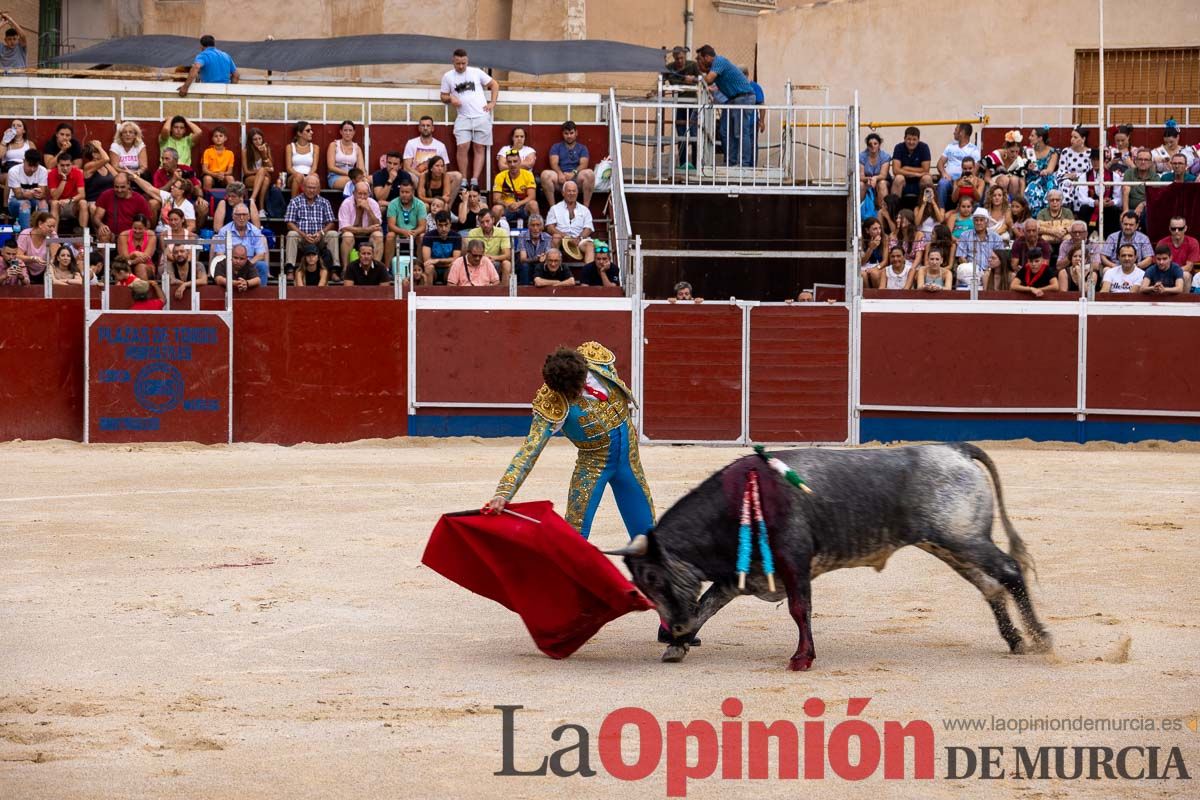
[739, 137]
[618, 466]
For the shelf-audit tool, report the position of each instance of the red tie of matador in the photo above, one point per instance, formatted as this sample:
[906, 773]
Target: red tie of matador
[595, 393]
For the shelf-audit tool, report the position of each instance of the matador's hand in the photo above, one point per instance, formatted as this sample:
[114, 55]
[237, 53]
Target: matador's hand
[495, 505]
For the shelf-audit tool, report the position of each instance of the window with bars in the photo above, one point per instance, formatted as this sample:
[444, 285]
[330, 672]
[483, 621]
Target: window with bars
[1168, 77]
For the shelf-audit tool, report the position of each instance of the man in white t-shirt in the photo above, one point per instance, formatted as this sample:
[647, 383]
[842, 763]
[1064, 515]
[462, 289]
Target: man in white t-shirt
[571, 221]
[949, 166]
[1126, 277]
[462, 87]
[421, 148]
[28, 188]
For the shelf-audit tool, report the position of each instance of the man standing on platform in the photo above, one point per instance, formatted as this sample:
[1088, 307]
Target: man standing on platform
[724, 74]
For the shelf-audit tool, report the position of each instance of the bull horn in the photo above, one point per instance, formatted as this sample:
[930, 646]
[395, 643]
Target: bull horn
[637, 547]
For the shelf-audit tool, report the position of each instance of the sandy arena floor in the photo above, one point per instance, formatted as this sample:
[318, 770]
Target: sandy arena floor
[253, 622]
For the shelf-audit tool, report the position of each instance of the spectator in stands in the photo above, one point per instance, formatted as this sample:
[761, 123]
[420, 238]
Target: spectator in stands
[311, 270]
[532, 246]
[928, 213]
[98, 171]
[1055, 219]
[15, 146]
[516, 144]
[13, 52]
[571, 221]
[439, 251]
[1179, 170]
[169, 239]
[874, 168]
[128, 151]
[258, 167]
[1043, 166]
[1164, 276]
[437, 204]
[941, 240]
[301, 158]
[1036, 277]
[179, 273]
[495, 243]
[67, 198]
[683, 294]
[969, 184]
[681, 71]
[245, 233]
[344, 155]
[211, 66]
[872, 252]
[739, 126]
[1135, 180]
[1185, 250]
[64, 270]
[419, 153]
[355, 175]
[171, 170]
[470, 207]
[949, 166]
[244, 274]
[365, 270]
[899, 272]
[138, 245]
[120, 272]
[33, 244]
[959, 220]
[934, 276]
[498, 214]
[12, 268]
[176, 193]
[140, 291]
[1071, 272]
[1000, 220]
[179, 134]
[1076, 242]
[602, 271]
[62, 141]
[1019, 208]
[552, 272]
[386, 182]
[463, 87]
[473, 268]
[310, 220]
[997, 277]
[235, 193]
[910, 165]
[978, 243]
[216, 163]
[360, 220]
[1170, 147]
[1120, 153]
[1128, 235]
[436, 183]
[1006, 166]
[908, 238]
[568, 162]
[516, 190]
[1028, 239]
[1126, 277]
[28, 189]
[1074, 171]
[406, 224]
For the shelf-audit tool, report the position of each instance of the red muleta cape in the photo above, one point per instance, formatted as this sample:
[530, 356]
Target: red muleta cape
[563, 588]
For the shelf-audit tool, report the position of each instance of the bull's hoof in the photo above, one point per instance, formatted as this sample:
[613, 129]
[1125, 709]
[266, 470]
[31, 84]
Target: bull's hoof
[1039, 645]
[674, 654]
[800, 663]
[666, 638]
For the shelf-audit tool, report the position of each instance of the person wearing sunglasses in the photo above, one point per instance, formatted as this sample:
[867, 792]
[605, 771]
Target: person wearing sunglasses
[1185, 250]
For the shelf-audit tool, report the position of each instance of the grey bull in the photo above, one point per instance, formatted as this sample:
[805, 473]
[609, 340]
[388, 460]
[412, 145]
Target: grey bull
[866, 504]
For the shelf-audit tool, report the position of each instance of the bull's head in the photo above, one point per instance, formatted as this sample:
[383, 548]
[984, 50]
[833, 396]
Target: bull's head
[666, 580]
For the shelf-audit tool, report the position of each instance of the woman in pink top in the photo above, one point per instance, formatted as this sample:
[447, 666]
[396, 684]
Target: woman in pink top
[33, 244]
[138, 245]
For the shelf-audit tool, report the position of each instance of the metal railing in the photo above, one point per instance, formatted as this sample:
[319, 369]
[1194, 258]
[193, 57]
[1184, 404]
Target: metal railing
[697, 146]
[1141, 115]
[622, 228]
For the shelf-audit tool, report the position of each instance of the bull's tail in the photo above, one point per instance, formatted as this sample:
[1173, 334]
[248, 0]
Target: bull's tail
[1016, 546]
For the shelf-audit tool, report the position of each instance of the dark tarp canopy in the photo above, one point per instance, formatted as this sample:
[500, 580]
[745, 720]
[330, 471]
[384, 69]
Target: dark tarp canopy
[296, 55]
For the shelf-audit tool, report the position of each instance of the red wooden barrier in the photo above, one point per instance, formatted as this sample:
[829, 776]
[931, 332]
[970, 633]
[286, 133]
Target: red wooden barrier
[466, 356]
[41, 368]
[969, 360]
[1134, 363]
[692, 372]
[799, 373]
[319, 370]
